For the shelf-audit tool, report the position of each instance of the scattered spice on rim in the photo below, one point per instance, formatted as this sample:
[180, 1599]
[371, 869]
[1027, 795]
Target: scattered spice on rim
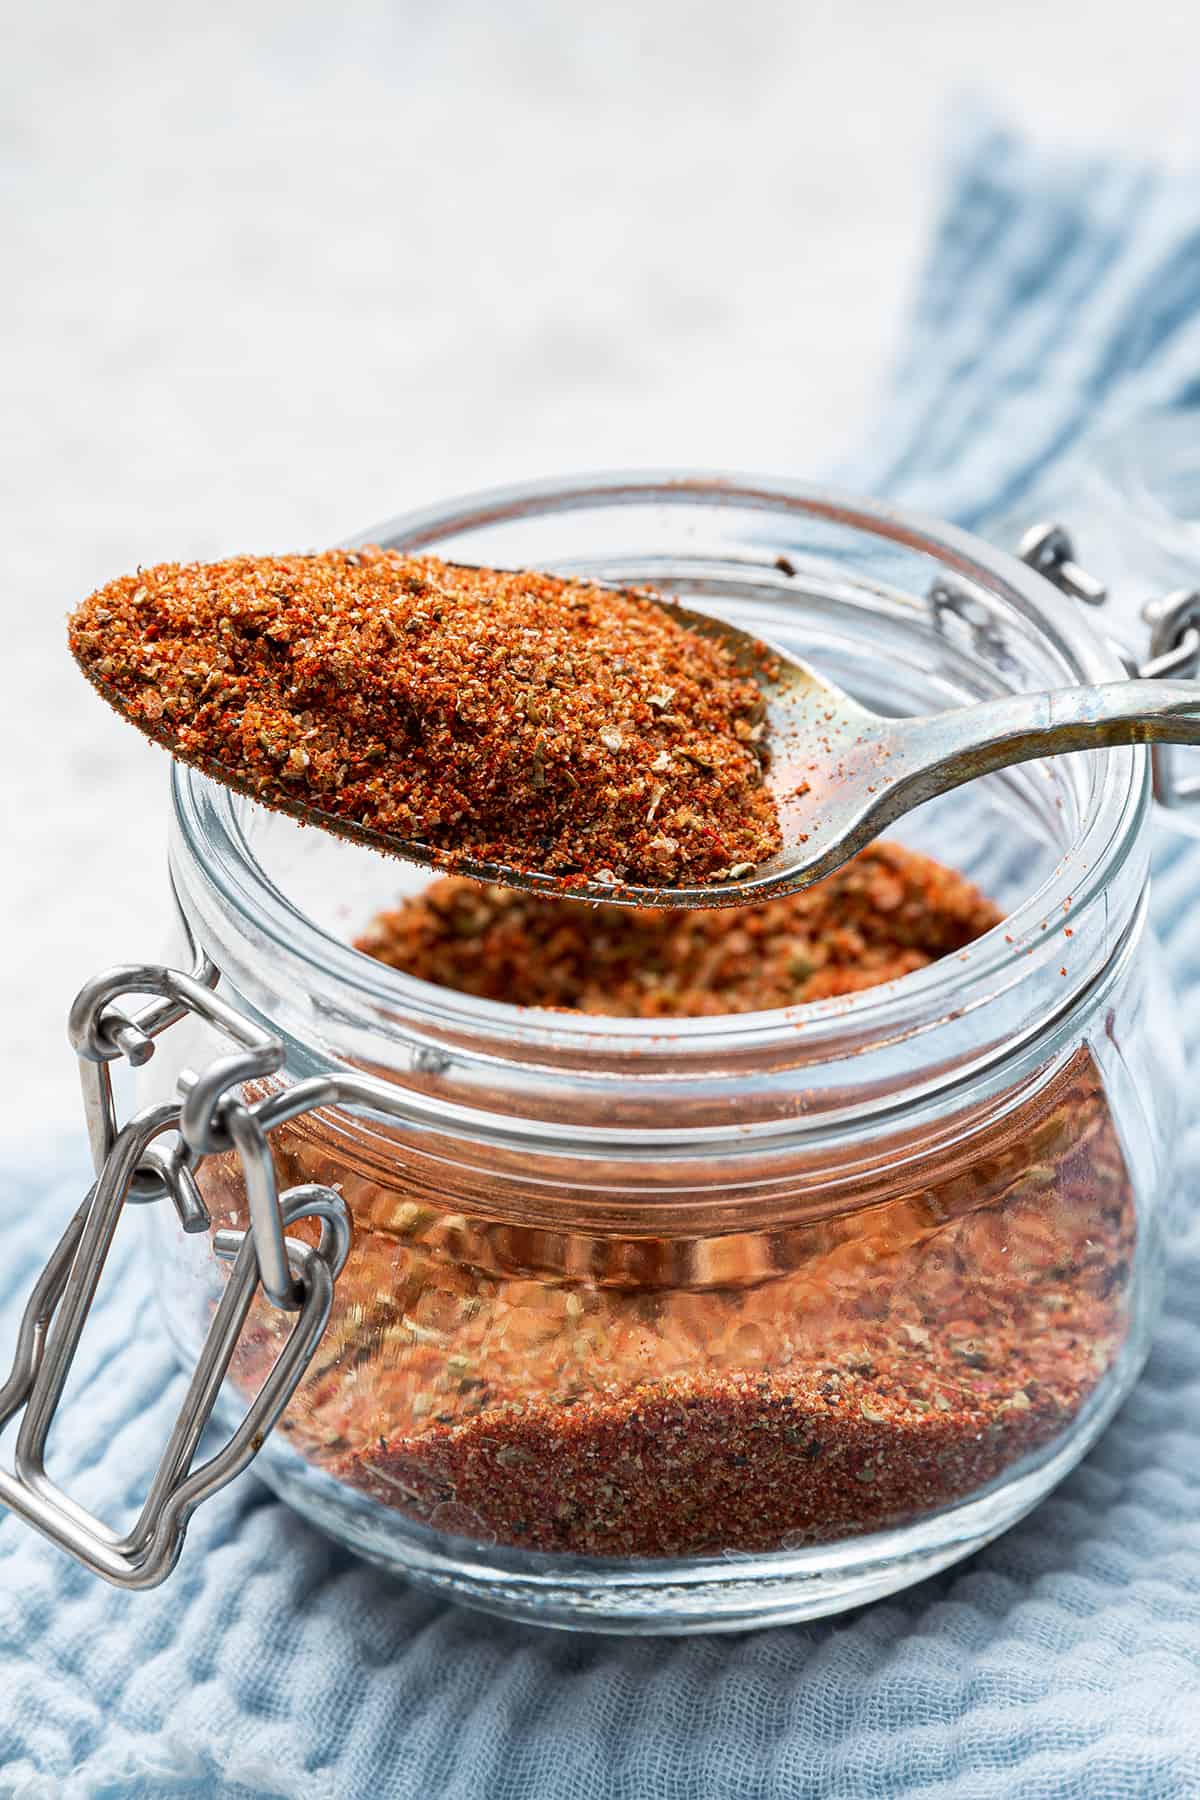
[511, 718]
[642, 1396]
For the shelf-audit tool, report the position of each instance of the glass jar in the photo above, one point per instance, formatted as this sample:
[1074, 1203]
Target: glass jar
[694, 1324]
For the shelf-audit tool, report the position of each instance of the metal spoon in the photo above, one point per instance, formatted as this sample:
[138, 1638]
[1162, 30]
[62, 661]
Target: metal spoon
[840, 774]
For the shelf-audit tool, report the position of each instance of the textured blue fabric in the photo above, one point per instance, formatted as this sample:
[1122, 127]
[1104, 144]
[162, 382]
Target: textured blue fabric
[1062, 1661]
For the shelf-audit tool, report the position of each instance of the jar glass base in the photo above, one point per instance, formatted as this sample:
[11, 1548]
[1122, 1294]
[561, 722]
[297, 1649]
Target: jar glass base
[673, 1597]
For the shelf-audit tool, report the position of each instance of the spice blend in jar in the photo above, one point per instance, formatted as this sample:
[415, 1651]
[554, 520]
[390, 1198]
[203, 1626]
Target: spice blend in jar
[649, 1396]
[886, 913]
[511, 718]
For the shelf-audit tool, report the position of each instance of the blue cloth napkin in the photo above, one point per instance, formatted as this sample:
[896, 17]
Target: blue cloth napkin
[1062, 1661]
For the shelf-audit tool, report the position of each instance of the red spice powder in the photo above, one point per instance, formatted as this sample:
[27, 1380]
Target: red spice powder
[511, 718]
[836, 1378]
[886, 913]
[645, 1396]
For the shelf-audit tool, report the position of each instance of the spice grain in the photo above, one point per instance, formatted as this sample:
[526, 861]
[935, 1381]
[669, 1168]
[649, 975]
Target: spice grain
[641, 1395]
[834, 1378]
[886, 913]
[509, 717]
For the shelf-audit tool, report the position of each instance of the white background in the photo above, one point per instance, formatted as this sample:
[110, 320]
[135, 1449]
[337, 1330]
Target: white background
[273, 272]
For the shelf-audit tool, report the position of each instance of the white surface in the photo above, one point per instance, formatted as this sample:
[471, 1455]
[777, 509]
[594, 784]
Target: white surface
[274, 272]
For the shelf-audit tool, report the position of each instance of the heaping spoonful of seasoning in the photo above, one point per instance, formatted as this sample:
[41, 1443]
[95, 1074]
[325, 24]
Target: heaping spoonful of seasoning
[548, 733]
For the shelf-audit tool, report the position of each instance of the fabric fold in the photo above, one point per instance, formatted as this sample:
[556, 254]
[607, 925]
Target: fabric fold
[1060, 297]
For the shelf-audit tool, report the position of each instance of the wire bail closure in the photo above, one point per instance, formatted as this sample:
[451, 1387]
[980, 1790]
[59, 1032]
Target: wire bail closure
[1174, 622]
[132, 1168]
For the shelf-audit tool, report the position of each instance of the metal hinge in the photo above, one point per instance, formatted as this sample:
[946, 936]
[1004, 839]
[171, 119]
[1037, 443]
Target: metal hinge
[134, 1167]
[1174, 622]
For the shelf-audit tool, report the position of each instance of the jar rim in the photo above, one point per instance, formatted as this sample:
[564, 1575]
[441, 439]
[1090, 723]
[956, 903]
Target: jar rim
[207, 818]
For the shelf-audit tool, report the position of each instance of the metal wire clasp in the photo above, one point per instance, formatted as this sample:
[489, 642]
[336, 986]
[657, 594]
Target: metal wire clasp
[1174, 622]
[132, 1166]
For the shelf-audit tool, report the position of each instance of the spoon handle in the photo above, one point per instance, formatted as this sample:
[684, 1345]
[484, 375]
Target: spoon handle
[970, 740]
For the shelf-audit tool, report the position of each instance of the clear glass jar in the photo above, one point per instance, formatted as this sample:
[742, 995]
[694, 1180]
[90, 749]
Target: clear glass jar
[669, 1326]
